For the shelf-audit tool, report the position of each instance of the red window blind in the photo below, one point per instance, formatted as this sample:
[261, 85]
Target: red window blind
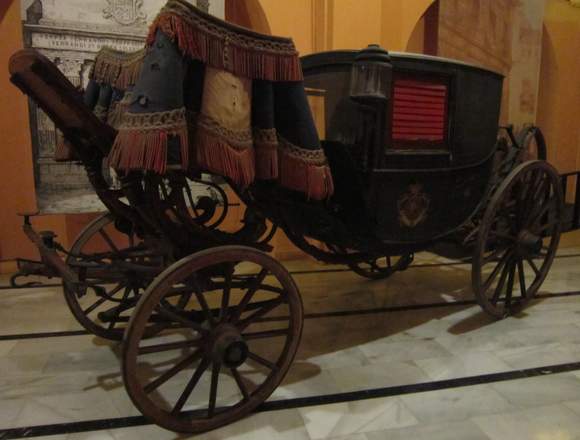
[419, 111]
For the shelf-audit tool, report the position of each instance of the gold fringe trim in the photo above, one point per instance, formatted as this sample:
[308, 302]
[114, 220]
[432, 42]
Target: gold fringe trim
[218, 48]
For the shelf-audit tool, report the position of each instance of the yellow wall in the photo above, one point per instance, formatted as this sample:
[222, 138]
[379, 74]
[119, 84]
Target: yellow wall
[317, 25]
[559, 99]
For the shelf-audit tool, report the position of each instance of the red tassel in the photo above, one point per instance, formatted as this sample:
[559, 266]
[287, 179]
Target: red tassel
[313, 180]
[218, 52]
[217, 156]
[144, 150]
[266, 162]
[64, 151]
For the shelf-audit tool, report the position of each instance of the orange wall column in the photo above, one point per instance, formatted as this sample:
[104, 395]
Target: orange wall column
[17, 193]
[17, 184]
[559, 98]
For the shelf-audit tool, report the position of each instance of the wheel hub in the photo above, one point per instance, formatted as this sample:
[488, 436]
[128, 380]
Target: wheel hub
[228, 347]
[529, 243]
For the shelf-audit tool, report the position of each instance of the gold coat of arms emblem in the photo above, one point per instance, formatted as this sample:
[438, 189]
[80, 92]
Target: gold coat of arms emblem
[125, 12]
[413, 206]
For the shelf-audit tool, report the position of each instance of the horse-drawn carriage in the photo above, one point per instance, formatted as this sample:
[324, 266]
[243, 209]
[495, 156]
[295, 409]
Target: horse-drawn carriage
[410, 156]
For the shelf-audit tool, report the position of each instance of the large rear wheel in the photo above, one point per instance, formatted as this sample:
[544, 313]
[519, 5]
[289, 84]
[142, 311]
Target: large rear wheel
[517, 239]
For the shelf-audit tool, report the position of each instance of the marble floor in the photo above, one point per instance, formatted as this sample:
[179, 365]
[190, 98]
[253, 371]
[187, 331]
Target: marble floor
[77, 378]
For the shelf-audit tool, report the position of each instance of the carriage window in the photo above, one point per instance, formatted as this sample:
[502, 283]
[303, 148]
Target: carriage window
[420, 108]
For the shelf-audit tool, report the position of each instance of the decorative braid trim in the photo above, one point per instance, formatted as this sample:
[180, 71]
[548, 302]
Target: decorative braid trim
[312, 157]
[265, 137]
[238, 139]
[143, 138]
[168, 121]
[218, 45]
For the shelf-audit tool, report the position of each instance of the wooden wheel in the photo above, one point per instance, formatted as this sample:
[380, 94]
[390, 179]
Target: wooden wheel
[517, 239]
[381, 268]
[532, 143]
[237, 318]
[114, 270]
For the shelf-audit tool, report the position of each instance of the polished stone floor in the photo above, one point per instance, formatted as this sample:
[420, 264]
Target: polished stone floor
[65, 379]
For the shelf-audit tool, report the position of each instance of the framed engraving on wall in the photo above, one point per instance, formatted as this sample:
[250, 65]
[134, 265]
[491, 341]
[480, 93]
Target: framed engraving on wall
[70, 33]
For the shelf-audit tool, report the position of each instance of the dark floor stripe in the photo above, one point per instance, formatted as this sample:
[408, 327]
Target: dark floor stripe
[332, 314]
[43, 335]
[410, 307]
[302, 402]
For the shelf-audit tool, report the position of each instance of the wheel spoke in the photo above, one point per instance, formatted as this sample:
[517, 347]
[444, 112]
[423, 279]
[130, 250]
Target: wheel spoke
[503, 260]
[190, 386]
[240, 383]
[163, 311]
[493, 256]
[546, 226]
[215, 375]
[535, 186]
[265, 334]
[249, 295]
[182, 365]
[522, 277]
[533, 265]
[499, 288]
[226, 293]
[169, 346]
[119, 308]
[535, 218]
[504, 236]
[93, 307]
[259, 359]
[271, 305]
[510, 287]
[203, 302]
[106, 237]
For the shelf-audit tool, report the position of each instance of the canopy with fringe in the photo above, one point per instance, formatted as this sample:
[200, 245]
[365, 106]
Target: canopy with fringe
[221, 98]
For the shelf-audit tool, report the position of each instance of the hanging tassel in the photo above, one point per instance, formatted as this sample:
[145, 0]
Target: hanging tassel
[64, 151]
[305, 170]
[220, 51]
[216, 155]
[130, 71]
[145, 150]
[266, 151]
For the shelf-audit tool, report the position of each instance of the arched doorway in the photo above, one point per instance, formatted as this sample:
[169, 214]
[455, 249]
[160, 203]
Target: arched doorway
[249, 14]
[425, 35]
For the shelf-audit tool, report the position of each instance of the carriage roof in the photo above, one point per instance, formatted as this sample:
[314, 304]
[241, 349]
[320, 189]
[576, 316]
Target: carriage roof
[470, 115]
[322, 59]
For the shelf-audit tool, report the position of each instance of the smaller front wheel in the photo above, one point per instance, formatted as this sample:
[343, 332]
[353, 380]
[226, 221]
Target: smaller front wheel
[383, 267]
[233, 320]
[517, 239]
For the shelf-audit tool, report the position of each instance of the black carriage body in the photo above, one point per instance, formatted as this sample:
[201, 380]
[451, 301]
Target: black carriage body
[432, 171]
